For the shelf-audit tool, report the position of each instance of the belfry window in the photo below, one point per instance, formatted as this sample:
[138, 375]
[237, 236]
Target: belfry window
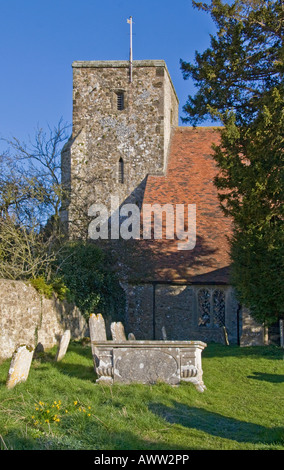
[120, 100]
[121, 171]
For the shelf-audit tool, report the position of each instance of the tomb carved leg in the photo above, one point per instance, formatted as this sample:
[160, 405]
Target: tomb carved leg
[104, 368]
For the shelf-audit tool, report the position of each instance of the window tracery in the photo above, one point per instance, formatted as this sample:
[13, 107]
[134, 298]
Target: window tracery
[211, 307]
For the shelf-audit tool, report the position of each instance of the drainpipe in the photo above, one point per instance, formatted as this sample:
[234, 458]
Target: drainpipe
[154, 311]
[238, 324]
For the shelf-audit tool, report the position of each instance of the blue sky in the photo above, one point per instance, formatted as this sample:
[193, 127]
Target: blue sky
[40, 39]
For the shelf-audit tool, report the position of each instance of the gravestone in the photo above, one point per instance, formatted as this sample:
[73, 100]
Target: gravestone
[164, 333]
[226, 340]
[20, 365]
[97, 327]
[117, 331]
[63, 345]
[281, 328]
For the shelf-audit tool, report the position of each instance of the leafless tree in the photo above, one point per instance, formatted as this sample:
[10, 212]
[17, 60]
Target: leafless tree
[31, 194]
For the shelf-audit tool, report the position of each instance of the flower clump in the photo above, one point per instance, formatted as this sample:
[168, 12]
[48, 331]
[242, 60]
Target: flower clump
[83, 409]
[53, 413]
[46, 413]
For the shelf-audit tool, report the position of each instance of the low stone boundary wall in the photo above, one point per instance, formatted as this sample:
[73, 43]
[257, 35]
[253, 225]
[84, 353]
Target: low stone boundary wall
[28, 318]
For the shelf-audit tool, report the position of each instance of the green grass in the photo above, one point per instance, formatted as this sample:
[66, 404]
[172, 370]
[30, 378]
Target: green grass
[242, 407]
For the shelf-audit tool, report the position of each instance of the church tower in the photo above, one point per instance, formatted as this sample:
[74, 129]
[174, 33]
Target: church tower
[122, 123]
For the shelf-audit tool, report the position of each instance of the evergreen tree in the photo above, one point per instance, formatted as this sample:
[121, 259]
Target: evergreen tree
[240, 83]
[244, 61]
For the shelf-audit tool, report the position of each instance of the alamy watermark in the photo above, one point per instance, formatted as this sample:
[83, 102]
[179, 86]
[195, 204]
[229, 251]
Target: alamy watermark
[127, 222]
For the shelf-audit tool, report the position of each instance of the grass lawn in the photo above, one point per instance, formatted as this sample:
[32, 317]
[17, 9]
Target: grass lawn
[61, 407]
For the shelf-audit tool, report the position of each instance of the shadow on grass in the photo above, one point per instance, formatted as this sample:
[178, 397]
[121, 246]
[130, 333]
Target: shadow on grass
[220, 350]
[78, 371]
[90, 439]
[217, 425]
[273, 378]
[72, 369]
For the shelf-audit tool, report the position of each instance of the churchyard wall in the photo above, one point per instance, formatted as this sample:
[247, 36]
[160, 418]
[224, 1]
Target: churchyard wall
[28, 318]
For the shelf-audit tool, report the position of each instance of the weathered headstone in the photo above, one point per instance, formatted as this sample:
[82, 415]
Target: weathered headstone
[97, 327]
[131, 337]
[20, 365]
[226, 339]
[281, 328]
[164, 333]
[117, 331]
[63, 345]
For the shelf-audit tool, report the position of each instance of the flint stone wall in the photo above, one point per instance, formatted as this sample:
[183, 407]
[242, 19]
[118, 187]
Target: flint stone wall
[153, 308]
[28, 318]
[102, 134]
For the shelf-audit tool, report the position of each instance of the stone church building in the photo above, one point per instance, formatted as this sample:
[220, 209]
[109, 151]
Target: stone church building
[126, 142]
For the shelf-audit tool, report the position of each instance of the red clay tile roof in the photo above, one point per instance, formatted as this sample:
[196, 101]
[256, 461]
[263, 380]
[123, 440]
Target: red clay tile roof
[188, 180]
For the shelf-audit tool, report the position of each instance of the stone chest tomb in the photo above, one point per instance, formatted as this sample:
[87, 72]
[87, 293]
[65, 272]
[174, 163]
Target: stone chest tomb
[147, 362]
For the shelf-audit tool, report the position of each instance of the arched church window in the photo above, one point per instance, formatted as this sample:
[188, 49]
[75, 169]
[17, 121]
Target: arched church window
[121, 170]
[211, 308]
[204, 307]
[218, 308]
